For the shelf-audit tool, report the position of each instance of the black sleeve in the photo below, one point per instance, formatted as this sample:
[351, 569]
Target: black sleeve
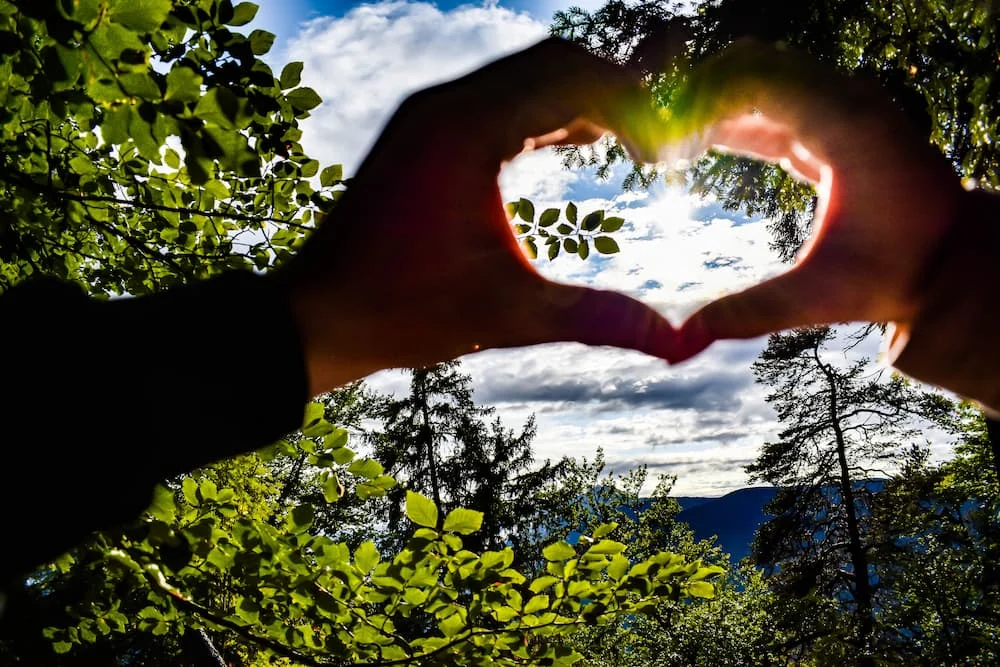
[100, 400]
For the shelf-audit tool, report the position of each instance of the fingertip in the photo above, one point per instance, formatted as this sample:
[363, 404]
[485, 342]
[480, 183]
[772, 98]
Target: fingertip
[600, 317]
[692, 338]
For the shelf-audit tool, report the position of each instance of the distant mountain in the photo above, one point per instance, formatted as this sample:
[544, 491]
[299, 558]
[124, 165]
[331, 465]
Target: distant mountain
[733, 518]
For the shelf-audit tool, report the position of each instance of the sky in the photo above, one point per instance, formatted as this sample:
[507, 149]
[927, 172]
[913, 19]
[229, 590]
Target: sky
[703, 420]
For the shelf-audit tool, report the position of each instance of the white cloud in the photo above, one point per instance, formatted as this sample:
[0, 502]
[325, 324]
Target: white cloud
[364, 63]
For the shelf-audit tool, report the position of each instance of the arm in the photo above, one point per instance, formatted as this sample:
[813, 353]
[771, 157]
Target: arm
[416, 264]
[101, 400]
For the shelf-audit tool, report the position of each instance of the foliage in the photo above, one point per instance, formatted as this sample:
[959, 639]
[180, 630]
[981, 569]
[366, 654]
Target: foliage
[734, 629]
[148, 144]
[212, 557]
[844, 427]
[575, 235]
[938, 535]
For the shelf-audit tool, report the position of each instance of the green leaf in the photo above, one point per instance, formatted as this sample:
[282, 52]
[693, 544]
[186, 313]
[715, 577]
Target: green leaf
[172, 159]
[612, 224]
[549, 216]
[541, 583]
[62, 647]
[332, 488]
[592, 221]
[421, 510]
[526, 210]
[291, 75]
[511, 207]
[207, 489]
[584, 249]
[243, 13]
[553, 250]
[606, 245]
[463, 521]
[304, 99]
[367, 468]
[299, 519]
[536, 604]
[604, 530]
[343, 455]
[190, 489]
[331, 175]
[619, 567]
[140, 15]
[530, 248]
[571, 213]
[700, 589]
[314, 412]
[569, 245]
[337, 439]
[261, 42]
[452, 625]
[309, 168]
[558, 551]
[183, 84]
[606, 548]
[366, 557]
[163, 506]
[222, 107]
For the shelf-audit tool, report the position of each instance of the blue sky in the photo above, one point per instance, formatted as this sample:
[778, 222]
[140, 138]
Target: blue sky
[703, 420]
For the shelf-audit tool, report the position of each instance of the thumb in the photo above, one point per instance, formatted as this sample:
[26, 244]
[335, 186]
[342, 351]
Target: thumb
[802, 296]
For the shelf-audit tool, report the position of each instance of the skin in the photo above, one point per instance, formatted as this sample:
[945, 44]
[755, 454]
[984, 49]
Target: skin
[418, 264]
[896, 238]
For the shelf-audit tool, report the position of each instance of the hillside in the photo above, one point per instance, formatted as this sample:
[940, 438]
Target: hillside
[733, 517]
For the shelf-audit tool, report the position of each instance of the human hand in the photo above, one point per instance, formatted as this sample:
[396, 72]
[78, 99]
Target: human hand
[895, 237]
[418, 263]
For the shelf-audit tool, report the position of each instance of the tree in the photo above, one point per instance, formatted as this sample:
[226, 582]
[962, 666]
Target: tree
[437, 441]
[937, 547]
[673, 630]
[734, 629]
[99, 97]
[843, 425]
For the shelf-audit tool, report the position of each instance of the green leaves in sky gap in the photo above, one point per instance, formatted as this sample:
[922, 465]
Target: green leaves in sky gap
[572, 236]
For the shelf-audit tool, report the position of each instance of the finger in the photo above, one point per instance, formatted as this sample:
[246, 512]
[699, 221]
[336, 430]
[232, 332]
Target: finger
[761, 138]
[831, 114]
[578, 132]
[600, 317]
[545, 87]
[803, 296]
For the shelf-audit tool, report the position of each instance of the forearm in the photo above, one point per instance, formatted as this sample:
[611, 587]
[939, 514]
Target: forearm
[103, 399]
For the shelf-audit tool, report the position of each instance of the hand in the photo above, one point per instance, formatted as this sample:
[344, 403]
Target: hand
[418, 263]
[895, 237]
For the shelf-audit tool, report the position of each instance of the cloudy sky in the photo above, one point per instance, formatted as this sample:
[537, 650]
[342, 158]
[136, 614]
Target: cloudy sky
[703, 420]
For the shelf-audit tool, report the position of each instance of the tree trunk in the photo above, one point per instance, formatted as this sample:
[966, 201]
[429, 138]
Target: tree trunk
[993, 435]
[427, 441]
[859, 557]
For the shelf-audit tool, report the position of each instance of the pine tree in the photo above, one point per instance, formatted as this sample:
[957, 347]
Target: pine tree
[845, 423]
[438, 442]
